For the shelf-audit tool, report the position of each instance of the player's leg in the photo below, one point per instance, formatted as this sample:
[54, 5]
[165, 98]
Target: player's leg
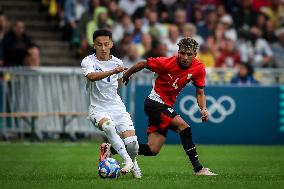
[181, 127]
[126, 129]
[154, 145]
[131, 143]
[132, 146]
[108, 126]
[104, 122]
[159, 118]
[184, 130]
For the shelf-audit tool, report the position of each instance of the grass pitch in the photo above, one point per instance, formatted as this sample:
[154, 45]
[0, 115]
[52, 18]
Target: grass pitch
[68, 165]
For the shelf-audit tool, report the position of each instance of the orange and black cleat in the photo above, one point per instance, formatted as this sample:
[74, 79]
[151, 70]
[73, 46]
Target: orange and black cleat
[105, 151]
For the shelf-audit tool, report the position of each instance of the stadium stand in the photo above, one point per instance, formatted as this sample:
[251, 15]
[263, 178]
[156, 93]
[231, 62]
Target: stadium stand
[45, 32]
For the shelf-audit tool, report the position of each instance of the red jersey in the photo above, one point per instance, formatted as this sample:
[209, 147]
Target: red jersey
[170, 79]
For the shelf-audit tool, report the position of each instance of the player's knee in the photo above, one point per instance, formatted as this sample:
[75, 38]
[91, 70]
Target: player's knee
[108, 126]
[132, 145]
[182, 127]
[154, 150]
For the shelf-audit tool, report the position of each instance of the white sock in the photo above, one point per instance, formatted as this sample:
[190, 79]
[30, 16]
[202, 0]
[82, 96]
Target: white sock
[132, 146]
[115, 140]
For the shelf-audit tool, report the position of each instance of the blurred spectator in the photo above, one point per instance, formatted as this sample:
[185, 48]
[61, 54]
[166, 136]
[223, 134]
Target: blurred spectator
[198, 20]
[216, 42]
[180, 20]
[189, 30]
[124, 44]
[18, 48]
[211, 20]
[262, 51]
[131, 57]
[159, 49]
[221, 10]
[206, 56]
[261, 21]
[278, 48]
[81, 29]
[146, 44]
[177, 4]
[153, 5]
[275, 12]
[124, 25]
[244, 17]
[73, 10]
[114, 11]
[227, 21]
[229, 56]
[137, 33]
[254, 49]
[3, 31]
[268, 32]
[130, 6]
[172, 40]
[197, 15]
[244, 76]
[153, 27]
[185, 5]
[100, 20]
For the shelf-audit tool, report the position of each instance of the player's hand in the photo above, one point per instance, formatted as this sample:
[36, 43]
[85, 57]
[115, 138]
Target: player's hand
[119, 69]
[204, 115]
[125, 78]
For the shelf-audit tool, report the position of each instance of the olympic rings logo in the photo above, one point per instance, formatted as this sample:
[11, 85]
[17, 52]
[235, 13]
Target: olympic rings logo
[218, 110]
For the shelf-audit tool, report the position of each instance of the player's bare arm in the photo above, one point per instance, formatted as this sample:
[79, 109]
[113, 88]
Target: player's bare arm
[201, 101]
[136, 68]
[95, 76]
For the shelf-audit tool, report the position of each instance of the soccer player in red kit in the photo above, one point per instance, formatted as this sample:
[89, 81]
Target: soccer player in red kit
[171, 76]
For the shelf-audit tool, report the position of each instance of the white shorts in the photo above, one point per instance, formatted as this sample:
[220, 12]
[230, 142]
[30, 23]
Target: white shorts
[121, 119]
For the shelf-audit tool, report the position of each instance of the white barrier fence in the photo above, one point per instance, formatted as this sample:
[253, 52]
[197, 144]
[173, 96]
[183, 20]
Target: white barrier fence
[44, 90]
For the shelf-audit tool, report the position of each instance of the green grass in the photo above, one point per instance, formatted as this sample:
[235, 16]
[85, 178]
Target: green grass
[66, 165]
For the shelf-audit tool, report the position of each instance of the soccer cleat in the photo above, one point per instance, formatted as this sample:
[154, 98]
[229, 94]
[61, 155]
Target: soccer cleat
[105, 151]
[205, 172]
[136, 171]
[128, 165]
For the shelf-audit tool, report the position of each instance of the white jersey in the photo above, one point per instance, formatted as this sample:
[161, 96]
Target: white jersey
[103, 93]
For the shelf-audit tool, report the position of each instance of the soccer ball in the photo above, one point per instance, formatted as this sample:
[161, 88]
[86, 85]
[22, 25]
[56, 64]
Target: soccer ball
[109, 168]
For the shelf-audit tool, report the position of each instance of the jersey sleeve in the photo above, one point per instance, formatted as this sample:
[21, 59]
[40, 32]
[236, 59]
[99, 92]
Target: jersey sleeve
[87, 67]
[200, 79]
[155, 65]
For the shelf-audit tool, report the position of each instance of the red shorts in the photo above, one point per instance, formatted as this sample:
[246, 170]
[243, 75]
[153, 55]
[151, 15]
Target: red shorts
[160, 116]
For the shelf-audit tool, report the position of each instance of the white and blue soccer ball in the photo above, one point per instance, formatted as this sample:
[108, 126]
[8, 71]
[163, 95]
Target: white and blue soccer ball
[109, 168]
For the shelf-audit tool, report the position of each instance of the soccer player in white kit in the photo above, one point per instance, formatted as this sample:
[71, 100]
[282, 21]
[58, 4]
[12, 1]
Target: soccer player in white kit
[107, 111]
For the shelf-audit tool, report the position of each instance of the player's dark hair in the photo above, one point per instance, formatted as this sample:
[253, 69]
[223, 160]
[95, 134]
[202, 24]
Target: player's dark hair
[102, 32]
[188, 44]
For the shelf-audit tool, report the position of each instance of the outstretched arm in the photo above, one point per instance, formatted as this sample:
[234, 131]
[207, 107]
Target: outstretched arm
[95, 76]
[136, 68]
[201, 101]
